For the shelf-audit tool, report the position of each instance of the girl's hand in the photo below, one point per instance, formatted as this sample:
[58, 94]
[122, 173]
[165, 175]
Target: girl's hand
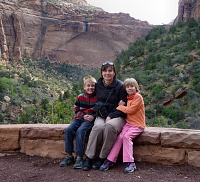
[121, 102]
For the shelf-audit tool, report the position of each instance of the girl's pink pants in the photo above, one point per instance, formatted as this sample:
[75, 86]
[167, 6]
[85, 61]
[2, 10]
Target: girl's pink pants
[125, 138]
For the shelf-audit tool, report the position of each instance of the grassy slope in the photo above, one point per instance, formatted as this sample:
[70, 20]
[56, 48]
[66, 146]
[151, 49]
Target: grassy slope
[165, 63]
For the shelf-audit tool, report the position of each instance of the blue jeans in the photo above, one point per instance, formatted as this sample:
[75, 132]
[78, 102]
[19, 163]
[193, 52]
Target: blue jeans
[80, 130]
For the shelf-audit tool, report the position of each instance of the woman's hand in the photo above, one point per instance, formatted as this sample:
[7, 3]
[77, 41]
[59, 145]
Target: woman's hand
[88, 117]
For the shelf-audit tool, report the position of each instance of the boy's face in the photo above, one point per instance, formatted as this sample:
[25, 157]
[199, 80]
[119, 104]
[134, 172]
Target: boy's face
[89, 87]
[130, 89]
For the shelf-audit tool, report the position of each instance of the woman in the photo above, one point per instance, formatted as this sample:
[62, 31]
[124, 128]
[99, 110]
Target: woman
[110, 92]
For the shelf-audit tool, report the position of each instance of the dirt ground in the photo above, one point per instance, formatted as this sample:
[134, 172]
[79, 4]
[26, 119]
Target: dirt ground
[22, 168]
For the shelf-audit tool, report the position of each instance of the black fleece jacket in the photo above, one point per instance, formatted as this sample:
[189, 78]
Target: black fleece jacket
[117, 93]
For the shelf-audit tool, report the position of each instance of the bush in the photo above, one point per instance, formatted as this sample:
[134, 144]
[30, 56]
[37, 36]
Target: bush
[198, 52]
[5, 74]
[1, 118]
[159, 121]
[156, 33]
[176, 114]
[182, 124]
[28, 115]
[157, 89]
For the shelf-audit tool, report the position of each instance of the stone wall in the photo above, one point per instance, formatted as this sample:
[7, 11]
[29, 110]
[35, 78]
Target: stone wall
[157, 145]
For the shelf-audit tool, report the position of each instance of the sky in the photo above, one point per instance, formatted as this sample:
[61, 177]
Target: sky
[155, 12]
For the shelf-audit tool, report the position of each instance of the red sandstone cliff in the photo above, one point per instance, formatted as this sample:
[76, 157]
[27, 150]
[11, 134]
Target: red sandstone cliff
[65, 30]
[187, 9]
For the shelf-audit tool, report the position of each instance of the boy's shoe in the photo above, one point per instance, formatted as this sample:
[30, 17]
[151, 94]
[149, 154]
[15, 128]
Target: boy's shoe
[67, 161]
[98, 164]
[106, 165]
[86, 164]
[131, 167]
[78, 164]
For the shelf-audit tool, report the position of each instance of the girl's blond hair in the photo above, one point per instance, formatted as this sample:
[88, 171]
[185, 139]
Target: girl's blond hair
[89, 78]
[133, 82]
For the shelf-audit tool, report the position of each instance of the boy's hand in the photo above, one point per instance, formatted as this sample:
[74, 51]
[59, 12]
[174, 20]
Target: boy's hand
[88, 117]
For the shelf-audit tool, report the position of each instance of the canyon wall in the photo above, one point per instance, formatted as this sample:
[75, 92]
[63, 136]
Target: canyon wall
[70, 31]
[187, 9]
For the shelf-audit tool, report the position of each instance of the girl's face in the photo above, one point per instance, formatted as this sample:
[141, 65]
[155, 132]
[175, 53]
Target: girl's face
[130, 89]
[89, 87]
[108, 74]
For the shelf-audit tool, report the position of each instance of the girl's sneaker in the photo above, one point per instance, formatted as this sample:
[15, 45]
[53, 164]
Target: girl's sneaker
[106, 165]
[130, 168]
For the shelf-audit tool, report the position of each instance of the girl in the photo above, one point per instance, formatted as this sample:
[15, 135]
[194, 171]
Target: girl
[135, 124]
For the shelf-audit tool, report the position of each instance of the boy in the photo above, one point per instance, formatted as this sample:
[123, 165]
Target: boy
[81, 125]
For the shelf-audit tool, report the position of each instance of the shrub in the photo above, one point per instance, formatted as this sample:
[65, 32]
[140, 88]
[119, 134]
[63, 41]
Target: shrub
[172, 29]
[159, 121]
[28, 115]
[1, 118]
[198, 52]
[156, 32]
[176, 114]
[182, 124]
[5, 74]
[157, 89]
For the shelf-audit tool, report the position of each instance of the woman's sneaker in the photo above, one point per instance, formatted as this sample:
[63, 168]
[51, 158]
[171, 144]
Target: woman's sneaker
[87, 164]
[131, 167]
[98, 164]
[106, 165]
[67, 161]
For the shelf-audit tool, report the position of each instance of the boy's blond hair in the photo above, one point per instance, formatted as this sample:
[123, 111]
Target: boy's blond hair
[133, 82]
[89, 78]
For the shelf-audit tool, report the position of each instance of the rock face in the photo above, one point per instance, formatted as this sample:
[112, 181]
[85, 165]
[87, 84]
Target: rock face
[69, 31]
[187, 9]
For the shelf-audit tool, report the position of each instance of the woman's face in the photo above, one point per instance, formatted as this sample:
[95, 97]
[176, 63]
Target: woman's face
[108, 74]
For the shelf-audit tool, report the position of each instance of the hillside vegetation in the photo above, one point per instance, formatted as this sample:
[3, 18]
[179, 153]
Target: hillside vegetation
[37, 91]
[166, 64]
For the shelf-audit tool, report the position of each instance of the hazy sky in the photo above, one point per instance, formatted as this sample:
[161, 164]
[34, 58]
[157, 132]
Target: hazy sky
[156, 12]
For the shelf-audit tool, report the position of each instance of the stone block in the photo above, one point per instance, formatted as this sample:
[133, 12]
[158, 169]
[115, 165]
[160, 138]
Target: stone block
[180, 138]
[42, 147]
[151, 135]
[9, 138]
[44, 131]
[194, 158]
[157, 154]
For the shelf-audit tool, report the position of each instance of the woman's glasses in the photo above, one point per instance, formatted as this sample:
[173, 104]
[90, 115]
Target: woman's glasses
[108, 63]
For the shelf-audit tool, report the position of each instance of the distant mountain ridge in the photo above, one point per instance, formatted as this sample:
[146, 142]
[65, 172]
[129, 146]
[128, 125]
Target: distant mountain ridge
[70, 31]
